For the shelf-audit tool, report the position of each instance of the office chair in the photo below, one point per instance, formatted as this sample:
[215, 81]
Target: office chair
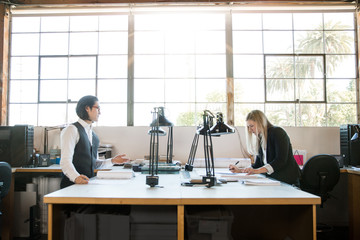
[319, 176]
[5, 181]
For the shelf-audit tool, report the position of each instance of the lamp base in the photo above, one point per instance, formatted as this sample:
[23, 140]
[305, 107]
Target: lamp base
[152, 181]
[209, 180]
[189, 168]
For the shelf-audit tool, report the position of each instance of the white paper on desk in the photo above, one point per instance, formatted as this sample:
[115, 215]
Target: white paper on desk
[116, 174]
[262, 182]
[240, 175]
[103, 181]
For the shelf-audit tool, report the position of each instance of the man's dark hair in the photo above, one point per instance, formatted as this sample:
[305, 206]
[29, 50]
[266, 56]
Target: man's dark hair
[86, 101]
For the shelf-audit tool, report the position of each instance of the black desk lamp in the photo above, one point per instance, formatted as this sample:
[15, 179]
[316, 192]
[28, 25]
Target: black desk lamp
[162, 121]
[208, 130]
[152, 180]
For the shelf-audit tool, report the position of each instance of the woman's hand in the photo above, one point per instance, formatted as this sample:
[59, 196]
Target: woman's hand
[249, 170]
[119, 159]
[234, 169]
[82, 179]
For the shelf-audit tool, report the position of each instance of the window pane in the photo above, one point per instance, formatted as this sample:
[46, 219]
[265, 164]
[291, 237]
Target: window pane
[54, 24]
[180, 42]
[180, 90]
[242, 110]
[151, 66]
[312, 115]
[338, 114]
[280, 90]
[112, 66]
[142, 113]
[113, 115]
[25, 44]
[83, 43]
[210, 42]
[54, 68]
[112, 90]
[309, 67]
[247, 21]
[24, 68]
[211, 66]
[23, 114]
[82, 67]
[278, 42]
[115, 22]
[244, 90]
[25, 24]
[149, 90]
[247, 42]
[248, 66]
[23, 91]
[339, 42]
[182, 114]
[71, 111]
[84, 23]
[179, 66]
[277, 21]
[340, 66]
[53, 90]
[281, 114]
[309, 42]
[341, 90]
[52, 114]
[149, 42]
[308, 21]
[210, 90]
[54, 44]
[113, 42]
[342, 20]
[279, 67]
[310, 89]
[80, 88]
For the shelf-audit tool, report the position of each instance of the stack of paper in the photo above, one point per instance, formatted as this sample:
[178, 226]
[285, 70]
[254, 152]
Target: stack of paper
[116, 174]
[262, 181]
[240, 175]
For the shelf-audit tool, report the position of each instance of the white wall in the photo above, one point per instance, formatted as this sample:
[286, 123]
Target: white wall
[134, 141]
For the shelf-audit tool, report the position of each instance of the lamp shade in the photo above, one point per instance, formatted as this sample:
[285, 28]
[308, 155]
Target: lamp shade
[159, 131]
[221, 128]
[161, 120]
[355, 137]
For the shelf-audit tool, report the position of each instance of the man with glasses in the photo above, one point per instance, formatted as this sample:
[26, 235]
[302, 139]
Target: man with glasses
[79, 145]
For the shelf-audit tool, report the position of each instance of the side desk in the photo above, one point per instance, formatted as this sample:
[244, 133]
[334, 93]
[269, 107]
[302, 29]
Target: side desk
[8, 201]
[291, 212]
[354, 202]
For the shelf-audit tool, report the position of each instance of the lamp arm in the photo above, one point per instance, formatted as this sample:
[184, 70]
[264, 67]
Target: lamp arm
[169, 152]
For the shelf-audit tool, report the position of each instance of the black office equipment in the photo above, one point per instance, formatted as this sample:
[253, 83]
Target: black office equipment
[17, 144]
[349, 149]
[5, 181]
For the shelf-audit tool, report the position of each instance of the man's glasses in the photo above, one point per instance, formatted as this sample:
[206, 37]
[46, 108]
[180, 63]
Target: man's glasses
[97, 107]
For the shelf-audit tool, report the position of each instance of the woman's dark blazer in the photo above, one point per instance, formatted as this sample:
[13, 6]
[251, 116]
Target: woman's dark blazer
[280, 156]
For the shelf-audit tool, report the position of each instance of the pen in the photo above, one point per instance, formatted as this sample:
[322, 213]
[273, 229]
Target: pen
[237, 163]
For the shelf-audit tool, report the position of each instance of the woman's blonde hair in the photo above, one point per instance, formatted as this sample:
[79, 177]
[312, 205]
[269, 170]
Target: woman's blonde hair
[253, 141]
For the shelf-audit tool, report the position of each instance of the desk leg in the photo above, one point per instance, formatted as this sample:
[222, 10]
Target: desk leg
[314, 221]
[50, 221]
[181, 222]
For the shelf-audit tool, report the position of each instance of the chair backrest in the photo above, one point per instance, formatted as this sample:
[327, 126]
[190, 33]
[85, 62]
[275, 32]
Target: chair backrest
[319, 175]
[5, 178]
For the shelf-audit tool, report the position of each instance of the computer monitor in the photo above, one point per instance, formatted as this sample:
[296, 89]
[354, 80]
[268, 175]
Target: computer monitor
[349, 150]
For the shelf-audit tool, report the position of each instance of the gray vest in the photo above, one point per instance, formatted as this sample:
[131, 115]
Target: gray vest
[85, 155]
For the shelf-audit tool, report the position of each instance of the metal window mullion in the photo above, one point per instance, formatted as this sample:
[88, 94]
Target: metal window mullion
[130, 80]
[229, 69]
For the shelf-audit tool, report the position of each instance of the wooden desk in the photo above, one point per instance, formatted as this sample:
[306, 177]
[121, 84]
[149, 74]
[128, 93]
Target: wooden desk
[354, 202]
[285, 211]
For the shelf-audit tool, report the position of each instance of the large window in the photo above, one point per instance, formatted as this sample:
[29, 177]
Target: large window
[300, 68]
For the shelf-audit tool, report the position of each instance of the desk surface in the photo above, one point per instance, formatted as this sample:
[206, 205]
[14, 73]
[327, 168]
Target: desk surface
[170, 192]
